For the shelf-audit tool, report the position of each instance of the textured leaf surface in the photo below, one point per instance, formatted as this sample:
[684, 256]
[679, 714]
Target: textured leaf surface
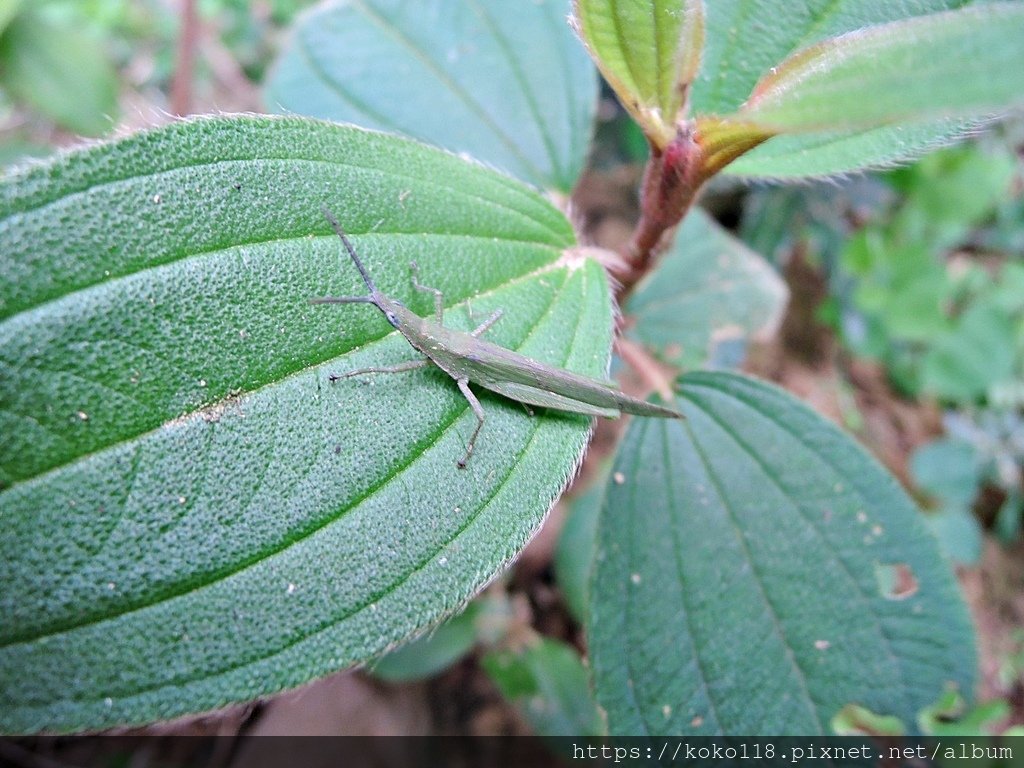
[506, 83]
[648, 51]
[746, 39]
[967, 62]
[708, 290]
[737, 587]
[192, 512]
[60, 71]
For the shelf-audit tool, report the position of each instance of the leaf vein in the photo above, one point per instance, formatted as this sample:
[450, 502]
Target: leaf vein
[758, 579]
[772, 479]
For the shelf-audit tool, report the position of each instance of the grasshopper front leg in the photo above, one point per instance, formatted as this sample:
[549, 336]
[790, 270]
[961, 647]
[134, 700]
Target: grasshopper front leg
[438, 296]
[482, 328]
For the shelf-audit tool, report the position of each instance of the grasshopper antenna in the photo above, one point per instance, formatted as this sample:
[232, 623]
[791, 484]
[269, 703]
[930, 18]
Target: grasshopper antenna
[351, 251]
[373, 297]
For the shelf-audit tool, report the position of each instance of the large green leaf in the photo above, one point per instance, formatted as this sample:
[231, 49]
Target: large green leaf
[757, 571]
[746, 39]
[60, 71]
[709, 289]
[192, 511]
[967, 62]
[506, 83]
[649, 52]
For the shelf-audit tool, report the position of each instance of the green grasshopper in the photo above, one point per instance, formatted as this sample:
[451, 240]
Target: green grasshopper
[466, 358]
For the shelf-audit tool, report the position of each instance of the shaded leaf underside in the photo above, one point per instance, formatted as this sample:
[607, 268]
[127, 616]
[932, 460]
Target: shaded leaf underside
[506, 83]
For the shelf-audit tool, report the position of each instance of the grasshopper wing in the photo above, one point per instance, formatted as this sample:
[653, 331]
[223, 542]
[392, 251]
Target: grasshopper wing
[524, 393]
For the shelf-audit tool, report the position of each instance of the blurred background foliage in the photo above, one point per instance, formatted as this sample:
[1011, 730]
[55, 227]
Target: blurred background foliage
[924, 274]
[908, 300]
[87, 67]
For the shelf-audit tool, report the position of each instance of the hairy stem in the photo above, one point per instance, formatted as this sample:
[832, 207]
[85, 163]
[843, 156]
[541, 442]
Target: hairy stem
[188, 35]
[672, 179]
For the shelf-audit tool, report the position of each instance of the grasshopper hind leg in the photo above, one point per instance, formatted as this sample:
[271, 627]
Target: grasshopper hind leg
[478, 411]
[412, 365]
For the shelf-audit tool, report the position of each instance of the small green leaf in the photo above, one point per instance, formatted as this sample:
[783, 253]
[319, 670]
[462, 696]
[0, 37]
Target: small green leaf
[976, 354]
[503, 82]
[950, 716]
[426, 656]
[854, 720]
[958, 532]
[60, 71]
[1008, 294]
[948, 469]
[193, 512]
[548, 683]
[8, 9]
[649, 52]
[1008, 519]
[817, 216]
[950, 193]
[967, 62]
[708, 290]
[736, 587]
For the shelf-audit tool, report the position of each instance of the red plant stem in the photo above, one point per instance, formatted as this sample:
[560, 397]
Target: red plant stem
[672, 178]
[181, 87]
